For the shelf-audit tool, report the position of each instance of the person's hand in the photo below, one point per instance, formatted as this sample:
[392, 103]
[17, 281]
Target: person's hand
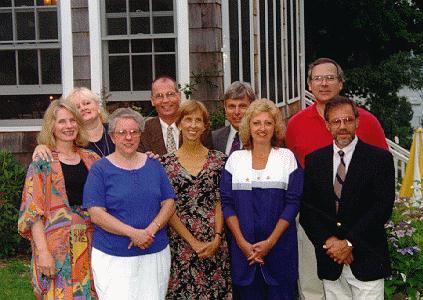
[42, 152]
[152, 155]
[197, 245]
[261, 249]
[340, 252]
[141, 238]
[46, 264]
[209, 249]
[248, 251]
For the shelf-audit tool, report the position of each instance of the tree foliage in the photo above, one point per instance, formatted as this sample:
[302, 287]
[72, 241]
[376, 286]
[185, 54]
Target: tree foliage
[379, 43]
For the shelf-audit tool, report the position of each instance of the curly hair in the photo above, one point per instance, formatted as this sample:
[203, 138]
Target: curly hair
[256, 107]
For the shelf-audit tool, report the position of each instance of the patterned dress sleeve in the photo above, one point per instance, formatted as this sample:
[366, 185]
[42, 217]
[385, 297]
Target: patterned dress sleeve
[33, 204]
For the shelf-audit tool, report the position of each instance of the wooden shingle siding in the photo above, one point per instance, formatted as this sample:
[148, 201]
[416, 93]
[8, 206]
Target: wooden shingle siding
[206, 61]
[21, 144]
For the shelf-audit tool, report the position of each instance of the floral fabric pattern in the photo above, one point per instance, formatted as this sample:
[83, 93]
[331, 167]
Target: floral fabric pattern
[68, 231]
[192, 277]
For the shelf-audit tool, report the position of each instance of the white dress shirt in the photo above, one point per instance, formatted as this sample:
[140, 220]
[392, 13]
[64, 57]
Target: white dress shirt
[348, 153]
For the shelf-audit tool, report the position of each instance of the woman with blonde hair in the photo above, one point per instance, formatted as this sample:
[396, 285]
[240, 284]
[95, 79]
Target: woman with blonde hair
[95, 121]
[51, 216]
[200, 258]
[261, 188]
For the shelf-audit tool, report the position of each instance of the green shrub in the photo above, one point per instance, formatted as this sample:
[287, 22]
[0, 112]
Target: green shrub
[12, 176]
[217, 118]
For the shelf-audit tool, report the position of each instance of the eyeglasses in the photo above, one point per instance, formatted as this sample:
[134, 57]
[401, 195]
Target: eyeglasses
[338, 121]
[124, 133]
[328, 78]
[168, 95]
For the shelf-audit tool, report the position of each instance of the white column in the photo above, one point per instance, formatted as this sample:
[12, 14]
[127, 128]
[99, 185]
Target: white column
[94, 14]
[182, 31]
[66, 45]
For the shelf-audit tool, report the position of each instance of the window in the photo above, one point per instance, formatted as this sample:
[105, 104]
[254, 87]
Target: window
[139, 43]
[266, 47]
[29, 52]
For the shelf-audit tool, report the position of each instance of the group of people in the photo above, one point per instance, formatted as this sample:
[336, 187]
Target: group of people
[119, 208]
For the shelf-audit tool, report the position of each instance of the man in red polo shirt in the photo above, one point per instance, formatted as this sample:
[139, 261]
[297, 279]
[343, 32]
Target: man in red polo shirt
[307, 132]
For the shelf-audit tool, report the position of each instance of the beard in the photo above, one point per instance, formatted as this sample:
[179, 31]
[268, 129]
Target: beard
[344, 140]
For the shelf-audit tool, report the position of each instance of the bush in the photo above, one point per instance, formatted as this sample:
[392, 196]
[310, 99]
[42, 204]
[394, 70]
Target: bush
[405, 237]
[12, 176]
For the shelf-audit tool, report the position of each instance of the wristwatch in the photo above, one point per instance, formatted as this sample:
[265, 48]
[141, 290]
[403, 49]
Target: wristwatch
[349, 243]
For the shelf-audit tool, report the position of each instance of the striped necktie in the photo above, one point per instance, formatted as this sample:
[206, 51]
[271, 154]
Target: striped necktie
[339, 178]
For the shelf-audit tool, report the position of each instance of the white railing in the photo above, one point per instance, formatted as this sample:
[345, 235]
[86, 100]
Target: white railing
[400, 154]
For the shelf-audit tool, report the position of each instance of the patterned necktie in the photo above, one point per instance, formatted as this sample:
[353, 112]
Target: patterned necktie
[339, 178]
[236, 145]
[170, 140]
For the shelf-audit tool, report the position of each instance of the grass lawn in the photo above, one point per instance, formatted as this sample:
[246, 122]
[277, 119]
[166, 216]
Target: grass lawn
[15, 282]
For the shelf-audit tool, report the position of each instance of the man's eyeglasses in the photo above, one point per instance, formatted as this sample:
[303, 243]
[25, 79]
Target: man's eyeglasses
[168, 95]
[124, 133]
[328, 78]
[338, 121]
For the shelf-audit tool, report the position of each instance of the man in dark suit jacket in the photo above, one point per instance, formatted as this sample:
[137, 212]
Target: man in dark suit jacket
[166, 98]
[344, 215]
[236, 100]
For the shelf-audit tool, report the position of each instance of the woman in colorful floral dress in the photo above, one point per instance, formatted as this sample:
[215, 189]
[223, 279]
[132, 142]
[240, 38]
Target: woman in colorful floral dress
[200, 261]
[51, 216]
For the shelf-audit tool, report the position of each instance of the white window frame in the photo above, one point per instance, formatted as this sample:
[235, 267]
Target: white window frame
[96, 52]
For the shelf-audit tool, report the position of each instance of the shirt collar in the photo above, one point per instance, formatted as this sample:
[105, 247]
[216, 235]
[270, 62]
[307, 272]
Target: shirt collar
[164, 125]
[348, 149]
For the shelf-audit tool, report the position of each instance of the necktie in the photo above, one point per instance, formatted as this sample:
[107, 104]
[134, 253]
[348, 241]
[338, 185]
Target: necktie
[339, 178]
[236, 145]
[170, 140]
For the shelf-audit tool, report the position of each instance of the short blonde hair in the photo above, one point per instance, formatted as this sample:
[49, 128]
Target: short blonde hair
[188, 107]
[86, 93]
[256, 107]
[46, 136]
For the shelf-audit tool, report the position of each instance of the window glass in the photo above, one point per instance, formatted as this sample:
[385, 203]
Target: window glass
[163, 5]
[25, 23]
[6, 33]
[115, 6]
[165, 64]
[119, 73]
[25, 106]
[140, 25]
[139, 5]
[50, 66]
[28, 66]
[5, 3]
[142, 70]
[8, 68]
[163, 24]
[141, 46]
[116, 26]
[24, 3]
[118, 46]
[48, 25]
[164, 45]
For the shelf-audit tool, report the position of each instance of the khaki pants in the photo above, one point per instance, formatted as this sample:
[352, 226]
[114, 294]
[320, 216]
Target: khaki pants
[310, 287]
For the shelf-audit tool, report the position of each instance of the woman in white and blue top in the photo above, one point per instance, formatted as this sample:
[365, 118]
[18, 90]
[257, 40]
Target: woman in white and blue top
[261, 188]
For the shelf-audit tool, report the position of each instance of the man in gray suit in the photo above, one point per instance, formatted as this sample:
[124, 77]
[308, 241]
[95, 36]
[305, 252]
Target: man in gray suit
[236, 101]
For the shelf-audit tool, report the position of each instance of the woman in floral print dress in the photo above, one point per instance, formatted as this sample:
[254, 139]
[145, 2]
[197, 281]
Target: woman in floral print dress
[200, 261]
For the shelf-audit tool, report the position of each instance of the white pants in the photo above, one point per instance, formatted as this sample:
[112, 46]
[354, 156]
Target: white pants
[310, 287]
[130, 278]
[348, 287]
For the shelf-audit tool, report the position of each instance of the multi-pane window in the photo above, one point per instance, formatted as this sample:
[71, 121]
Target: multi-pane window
[266, 47]
[139, 43]
[29, 43]
[30, 72]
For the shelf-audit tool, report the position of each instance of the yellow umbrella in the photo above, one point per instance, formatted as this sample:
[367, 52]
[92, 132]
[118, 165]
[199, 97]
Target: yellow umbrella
[412, 183]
